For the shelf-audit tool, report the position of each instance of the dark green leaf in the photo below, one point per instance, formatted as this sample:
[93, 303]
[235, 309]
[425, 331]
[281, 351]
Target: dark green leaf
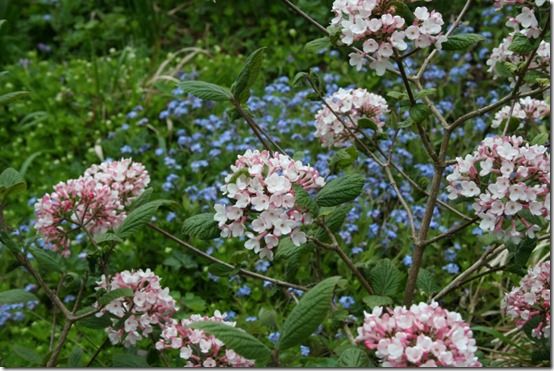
[366, 123]
[95, 322]
[237, 339]
[317, 45]
[11, 182]
[304, 201]
[403, 11]
[248, 75]
[222, 269]
[386, 278]
[142, 199]
[376, 300]
[300, 76]
[108, 297]
[287, 250]
[75, 358]
[354, 357]
[139, 217]
[107, 237]
[206, 90]
[333, 221]
[462, 41]
[28, 354]
[340, 190]
[426, 282]
[308, 313]
[16, 296]
[343, 158]
[521, 44]
[47, 259]
[10, 97]
[129, 360]
[419, 113]
[202, 226]
[28, 161]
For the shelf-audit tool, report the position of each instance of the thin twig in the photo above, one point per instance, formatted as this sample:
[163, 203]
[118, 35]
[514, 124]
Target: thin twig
[450, 232]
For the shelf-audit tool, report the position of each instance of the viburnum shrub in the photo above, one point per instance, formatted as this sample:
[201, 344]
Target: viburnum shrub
[529, 303]
[510, 182]
[416, 194]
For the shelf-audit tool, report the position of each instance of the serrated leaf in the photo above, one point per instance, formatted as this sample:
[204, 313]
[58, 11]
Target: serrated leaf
[287, 250]
[16, 296]
[333, 221]
[237, 339]
[343, 158]
[540, 139]
[202, 226]
[142, 199]
[28, 354]
[10, 97]
[107, 237]
[129, 360]
[248, 75]
[110, 296]
[47, 259]
[354, 357]
[386, 278]
[206, 90]
[308, 314]
[139, 217]
[521, 44]
[425, 93]
[11, 182]
[317, 45]
[304, 201]
[419, 113]
[376, 300]
[426, 282]
[340, 190]
[461, 41]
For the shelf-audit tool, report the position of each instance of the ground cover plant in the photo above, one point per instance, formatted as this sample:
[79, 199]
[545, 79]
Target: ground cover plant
[349, 183]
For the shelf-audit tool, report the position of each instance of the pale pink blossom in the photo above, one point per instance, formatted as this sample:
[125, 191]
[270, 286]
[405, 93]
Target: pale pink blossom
[529, 109]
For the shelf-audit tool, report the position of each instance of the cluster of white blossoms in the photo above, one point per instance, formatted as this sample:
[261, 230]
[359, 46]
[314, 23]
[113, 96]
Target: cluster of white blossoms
[527, 108]
[136, 316]
[198, 348]
[502, 53]
[264, 209]
[510, 182]
[379, 30]
[531, 299]
[424, 335]
[526, 21]
[350, 105]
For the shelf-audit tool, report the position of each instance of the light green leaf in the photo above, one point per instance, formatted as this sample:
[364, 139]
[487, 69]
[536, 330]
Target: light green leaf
[340, 190]
[10, 97]
[425, 92]
[142, 199]
[139, 217]
[461, 41]
[110, 296]
[316, 45]
[237, 339]
[16, 296]
[419, 113]
[28, 161]
[540, 139]
[28, 354]
[300, 76]
[354, 357]
[107, 237]
[206, 90]
[386, 278]
[248, 75]
[222, 270]
[521, 44]
[426, 281]
[11, 182]
[376, 300]
[129, 360]
[308, 313]
[202, 226]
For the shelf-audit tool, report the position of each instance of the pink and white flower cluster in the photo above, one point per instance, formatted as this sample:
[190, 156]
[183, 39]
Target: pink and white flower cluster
[351, 105]
[526, 109]
[93, 203]
[261, 186]
[501, 3]
[198, 348]
[127, 178]
[376, 26]
[502, 53]
[531, 299]
[135, 317]
[507, 178]
[425, 335]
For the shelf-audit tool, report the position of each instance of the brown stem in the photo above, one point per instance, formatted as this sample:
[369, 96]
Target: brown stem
[102, 346]
[451, 231]
[258, 131]
[53, 360]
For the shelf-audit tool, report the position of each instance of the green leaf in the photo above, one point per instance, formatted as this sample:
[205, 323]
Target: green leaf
[2, 21]
[202, 226]
[194, 302]
[237, 339]
[94, 322]
[75, 358]
[403, 11]
[340, 190]
[540, 139]
[47, 259]
[366, 123]
[333, 221]
[376, 300]
[129, 360]
[315, 46]
[505, 69]
[10, 97]
[419, 113]
[28, 354]
[222, 270]
[108, 297]
[107, 237]
[426, 281]
[343, 158]
[287, 250]
[28, 161]
[300, 76]
[354, 357]
[304, 201]
[206, 90]
[142, 199]
[425, 92]
[386, 278]
[308, 313]
[139, 217]
[16, 296]
[397, 94]
[248, 75]
[11, 182]
[498, 335]
[521, 44]
[462, 41]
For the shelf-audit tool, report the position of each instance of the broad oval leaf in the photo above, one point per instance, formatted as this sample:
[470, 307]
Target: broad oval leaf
[317, 45]
[354, 357]
[521, 44]
[304, 201]
[376, 300]
[206, 90]
[47, 259]
[237, 339]
[248, 75]
[461, 41]
[139, 217]
[108, 297]
[11, 182]
[386, 278]
[308, 313]
[340, 190]
[202, 226]
[129, 360]
[16, 296]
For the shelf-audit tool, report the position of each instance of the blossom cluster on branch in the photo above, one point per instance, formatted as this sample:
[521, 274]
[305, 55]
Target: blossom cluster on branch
[262, 188]
[425, 335]
[502, 53]
[510, 182]
[381, 31]
[531, 299]
[93, 203]
[527, 108]
[350, 105]
[198, 348]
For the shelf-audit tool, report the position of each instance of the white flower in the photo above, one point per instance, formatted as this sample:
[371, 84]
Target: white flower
[357, 60]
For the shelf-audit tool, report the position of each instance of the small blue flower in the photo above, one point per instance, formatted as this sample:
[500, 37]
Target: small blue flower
[304, 350]
[274, 337]
[452, 268]
[126, 149]
[251, 319]
[407, 260]
[347, 301]
[243, 291]
[262, 265]
[230, 315]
